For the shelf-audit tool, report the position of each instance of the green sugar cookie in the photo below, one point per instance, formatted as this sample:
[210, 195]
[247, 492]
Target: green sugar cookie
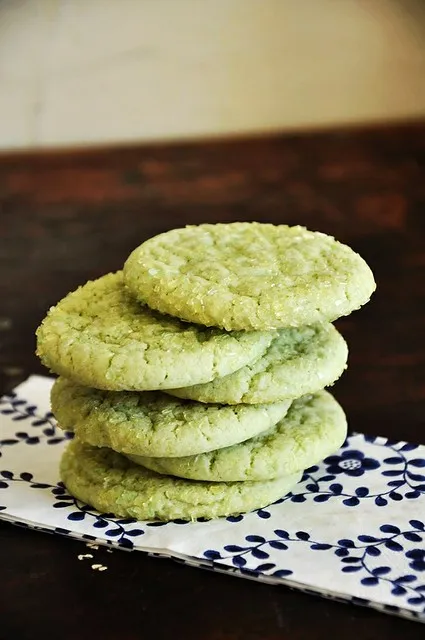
[155, 424]
[249, 276]
[300, 360]
[101, 337]
[113, 484]
[314, 427]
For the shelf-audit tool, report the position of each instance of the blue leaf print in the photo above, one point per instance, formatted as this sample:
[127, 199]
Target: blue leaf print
[412, 495]
[321, 498]
[406, 579]
[417, 477]
[336, 488]
[312, 469]
[277, 544]
[344, 542]
[412, 536]
[393, 545]
[125, 521]
[212, 554]
[239, 561]
[381, 571]
[361, 492]
[265, 567]
[393, 472]
[76, 515]
[364, 538]
[253, 538]
[260, 554]
[409, 446]
[321, 546]
[263, 514]
[302, 535]
[313, 488]
[351, 560]
[135, 532]
[394, 460]
[390, 528]
[351, 502]
[280, 533]
[417, 462]
[282, 573]
[298, 498]
[370, 581]
[373, 551]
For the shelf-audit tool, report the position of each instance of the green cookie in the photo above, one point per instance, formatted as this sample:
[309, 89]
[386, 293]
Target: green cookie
[314, 427]
[155, 424]
[113, 484]
[299, 361]
[101, 337]
[249, 276]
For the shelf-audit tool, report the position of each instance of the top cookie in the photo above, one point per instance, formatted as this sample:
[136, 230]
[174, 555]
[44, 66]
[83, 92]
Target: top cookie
[249, 276]
[101, 337]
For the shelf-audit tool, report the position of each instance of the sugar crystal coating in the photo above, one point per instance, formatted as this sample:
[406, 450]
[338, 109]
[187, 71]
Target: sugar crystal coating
[100, 336]
[155, 424]
[300, 360]
[113, 484]
[249, 276]
[314, 427]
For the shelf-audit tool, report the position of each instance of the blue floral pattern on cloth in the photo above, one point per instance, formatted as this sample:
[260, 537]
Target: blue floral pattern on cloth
[353, 529]
[351, 462]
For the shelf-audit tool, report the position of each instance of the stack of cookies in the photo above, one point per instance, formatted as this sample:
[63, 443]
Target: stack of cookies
[193, 379]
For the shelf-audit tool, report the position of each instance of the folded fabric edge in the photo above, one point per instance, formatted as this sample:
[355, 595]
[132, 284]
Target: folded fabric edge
[211, 565]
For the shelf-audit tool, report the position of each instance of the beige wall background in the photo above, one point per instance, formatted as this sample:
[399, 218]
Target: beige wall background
[78, 72]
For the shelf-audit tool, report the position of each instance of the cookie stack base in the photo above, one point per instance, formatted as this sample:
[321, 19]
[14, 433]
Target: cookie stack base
[110, 482]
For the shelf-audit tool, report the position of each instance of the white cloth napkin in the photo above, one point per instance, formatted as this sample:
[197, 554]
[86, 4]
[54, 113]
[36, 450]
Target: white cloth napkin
[353, 529]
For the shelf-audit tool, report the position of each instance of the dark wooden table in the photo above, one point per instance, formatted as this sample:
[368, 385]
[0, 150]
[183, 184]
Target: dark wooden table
[68, 217]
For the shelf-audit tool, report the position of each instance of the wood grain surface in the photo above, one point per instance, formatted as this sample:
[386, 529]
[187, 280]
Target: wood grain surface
[69, 217]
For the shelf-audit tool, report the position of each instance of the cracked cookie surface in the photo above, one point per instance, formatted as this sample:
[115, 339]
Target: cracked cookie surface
[249, 276]
[300, 360]
[314, 427]
[152, 423]
[100, 336]
[111, 483]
